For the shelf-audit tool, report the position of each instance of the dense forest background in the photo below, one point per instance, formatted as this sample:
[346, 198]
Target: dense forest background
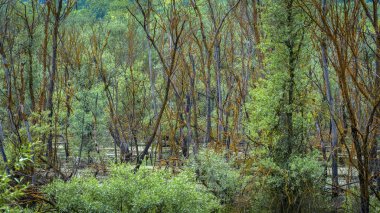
[190, 105]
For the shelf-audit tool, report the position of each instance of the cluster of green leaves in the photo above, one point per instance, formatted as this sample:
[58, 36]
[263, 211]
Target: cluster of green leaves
[288, 174]
[298, 186]
[218, 175]
[270, 102]
[352, 201]
[9, 193]
[12, 188]
[126, 191]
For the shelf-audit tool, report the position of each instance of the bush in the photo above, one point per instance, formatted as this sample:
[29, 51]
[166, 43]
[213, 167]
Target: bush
[296, 186]
[124, 191]
[352, 201]
[9, 193]
[219, 176]
[11, 187]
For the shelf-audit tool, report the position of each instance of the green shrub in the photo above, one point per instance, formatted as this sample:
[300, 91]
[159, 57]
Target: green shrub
[296, 186]
[219, 176]
[352, 201]
[124, 191]
[12, 188]
[9, 193]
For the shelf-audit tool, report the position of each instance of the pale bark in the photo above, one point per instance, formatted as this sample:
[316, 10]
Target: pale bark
[333, 127]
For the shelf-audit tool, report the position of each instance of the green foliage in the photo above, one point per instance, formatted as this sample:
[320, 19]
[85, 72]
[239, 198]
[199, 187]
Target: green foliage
[352, 201]
[219, 176]
[11, 188]
[298, 186]
[282, 109]
[8, 193]
[104, 83]
[284, 99]
[124, 191]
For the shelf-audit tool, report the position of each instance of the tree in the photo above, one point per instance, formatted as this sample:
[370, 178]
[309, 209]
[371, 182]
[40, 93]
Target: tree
[59, 12]
[281, 108]
[176, 28]
[349, 58]
[330, 101]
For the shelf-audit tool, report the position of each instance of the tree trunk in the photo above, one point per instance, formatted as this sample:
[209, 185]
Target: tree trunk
[291, 71]
[81, 142]
[257, 36]
[188, 139]
[2, 151]
[158, 120]
[52, 74]
[333, 127]
[44, 63]
[30, 73]
[68, 113]
[362, 170]
[323, 147]
[8, 74]
[194, 103]
[209, 109]
[218, 89]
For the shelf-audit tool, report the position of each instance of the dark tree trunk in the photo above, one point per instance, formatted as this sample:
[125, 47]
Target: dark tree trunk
[68, 113]
[188, 139]
[52, 74]
[2, 151]
[218, 89]
[81, 142]
[151, 139]
[362, 170]
[209, 109]
[30, 73]
[7, 69]
[194, 103]
[290, 43]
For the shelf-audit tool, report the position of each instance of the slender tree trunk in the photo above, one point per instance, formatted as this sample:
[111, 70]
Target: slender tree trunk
[194, 103]
[52, 75]
[29, 136]
[115, 141]
[361, 149]
[81, 142]
[8, 74]
[158, 120]
[30, 73]
[44, 63]
[362, 170]
[68, 113]
[95, 131]
[21, 97]
[291, 71]
[2, 151]
[207, 138]
[218, 89]
[152, 80]
[208, 71]
[189, 138]
[323, 147]
[256, 32]
[333, 127]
